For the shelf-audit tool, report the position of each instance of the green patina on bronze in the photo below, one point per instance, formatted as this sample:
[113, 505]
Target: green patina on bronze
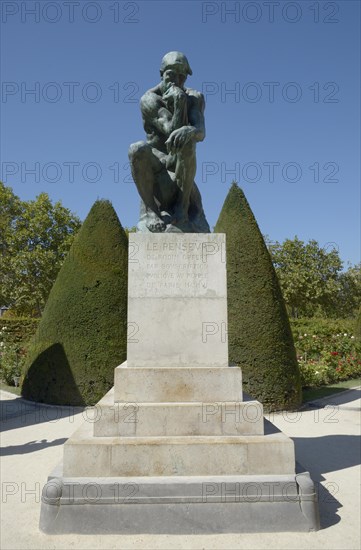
[164, 166]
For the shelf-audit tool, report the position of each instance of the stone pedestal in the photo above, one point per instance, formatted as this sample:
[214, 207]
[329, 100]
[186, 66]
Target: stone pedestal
[177, 301]
[174, 448]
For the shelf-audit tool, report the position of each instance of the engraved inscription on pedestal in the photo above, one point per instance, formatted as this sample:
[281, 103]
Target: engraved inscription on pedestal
[164, 273]
[177, 300]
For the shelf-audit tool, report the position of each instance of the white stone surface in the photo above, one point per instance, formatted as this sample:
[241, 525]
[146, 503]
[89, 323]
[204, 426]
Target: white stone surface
[168, 419]
[177, 300]
[156, 385]
[89, 456]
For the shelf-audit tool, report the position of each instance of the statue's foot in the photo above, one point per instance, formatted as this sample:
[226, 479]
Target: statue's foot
[166, 217]
[180, 218]
[154, 223]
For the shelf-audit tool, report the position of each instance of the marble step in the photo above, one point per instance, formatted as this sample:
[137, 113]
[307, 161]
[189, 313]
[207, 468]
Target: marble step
[178, 384]
[178, 419]
[86, 455]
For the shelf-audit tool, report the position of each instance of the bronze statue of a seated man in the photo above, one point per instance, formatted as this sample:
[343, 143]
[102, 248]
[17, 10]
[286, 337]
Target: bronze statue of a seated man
[164, 166]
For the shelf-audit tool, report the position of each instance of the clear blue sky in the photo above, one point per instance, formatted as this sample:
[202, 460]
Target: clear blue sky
[289, 131]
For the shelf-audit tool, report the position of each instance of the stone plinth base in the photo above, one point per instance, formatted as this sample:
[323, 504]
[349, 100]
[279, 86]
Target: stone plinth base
[174, 448]
[179, 505]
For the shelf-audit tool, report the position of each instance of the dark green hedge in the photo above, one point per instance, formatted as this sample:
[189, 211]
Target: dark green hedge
[81, 337]
[260, 338]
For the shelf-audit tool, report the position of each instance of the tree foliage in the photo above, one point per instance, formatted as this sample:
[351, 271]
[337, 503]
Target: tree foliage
[347, 301]
[312, 281]
[35, 238]
[358, 325]
[260, 338]
[81, 337]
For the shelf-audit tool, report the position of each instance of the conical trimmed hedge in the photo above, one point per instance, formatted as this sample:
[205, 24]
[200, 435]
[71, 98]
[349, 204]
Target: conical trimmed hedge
[81, 337]
[260, 338]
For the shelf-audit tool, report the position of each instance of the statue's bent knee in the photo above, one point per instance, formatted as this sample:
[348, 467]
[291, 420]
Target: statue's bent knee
[138, 150]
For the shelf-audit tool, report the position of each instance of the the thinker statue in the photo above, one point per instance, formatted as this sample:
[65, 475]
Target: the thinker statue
[164, 166]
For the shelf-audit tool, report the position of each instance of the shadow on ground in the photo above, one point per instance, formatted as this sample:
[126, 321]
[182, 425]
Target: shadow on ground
[20, 413]
[342, 397]
[30, 447]
[324, 454]
[321, 455]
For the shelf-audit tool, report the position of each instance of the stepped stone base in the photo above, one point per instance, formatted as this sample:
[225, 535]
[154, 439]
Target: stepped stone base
[134, 419]
[86, 455]
[168, 466]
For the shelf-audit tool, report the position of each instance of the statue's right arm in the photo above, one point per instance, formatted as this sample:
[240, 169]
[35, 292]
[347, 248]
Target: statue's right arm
[155, 113]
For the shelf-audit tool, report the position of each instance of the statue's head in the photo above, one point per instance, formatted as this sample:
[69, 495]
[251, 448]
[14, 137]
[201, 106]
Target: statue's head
[175, 68]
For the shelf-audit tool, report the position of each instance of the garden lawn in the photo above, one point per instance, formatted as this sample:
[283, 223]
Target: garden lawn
[10, 389]
[309, 394]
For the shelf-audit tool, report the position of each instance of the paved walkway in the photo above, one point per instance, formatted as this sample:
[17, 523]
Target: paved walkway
[327, 444]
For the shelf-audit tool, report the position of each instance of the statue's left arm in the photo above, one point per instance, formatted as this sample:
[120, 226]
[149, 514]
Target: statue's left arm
[196, 115]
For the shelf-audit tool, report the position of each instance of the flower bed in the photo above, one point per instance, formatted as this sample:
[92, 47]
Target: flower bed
[328, 353]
